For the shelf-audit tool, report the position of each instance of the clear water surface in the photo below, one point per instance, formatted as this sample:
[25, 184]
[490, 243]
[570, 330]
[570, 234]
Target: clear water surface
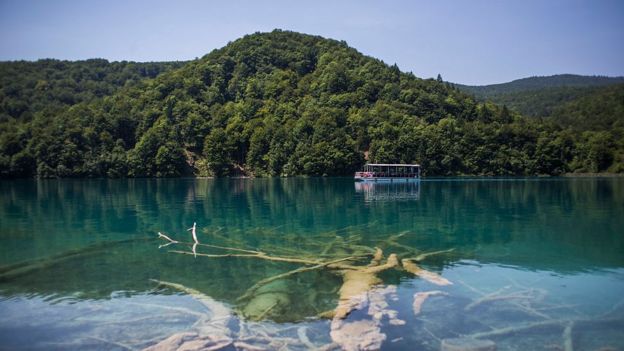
[536, 264]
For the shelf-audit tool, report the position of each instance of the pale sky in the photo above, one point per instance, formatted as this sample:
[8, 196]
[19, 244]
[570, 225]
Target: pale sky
[470, 42]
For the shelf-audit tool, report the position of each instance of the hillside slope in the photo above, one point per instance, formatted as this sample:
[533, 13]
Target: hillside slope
[285, 103]
[30, 87]
[601, 110]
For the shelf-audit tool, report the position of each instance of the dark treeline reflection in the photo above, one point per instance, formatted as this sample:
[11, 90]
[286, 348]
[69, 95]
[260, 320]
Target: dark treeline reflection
[563, 225]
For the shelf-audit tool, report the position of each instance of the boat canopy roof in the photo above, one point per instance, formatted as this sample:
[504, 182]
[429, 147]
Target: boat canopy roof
[392, 165]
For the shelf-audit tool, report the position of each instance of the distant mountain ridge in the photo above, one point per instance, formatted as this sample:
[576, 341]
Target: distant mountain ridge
[541, 82]
[540, 96]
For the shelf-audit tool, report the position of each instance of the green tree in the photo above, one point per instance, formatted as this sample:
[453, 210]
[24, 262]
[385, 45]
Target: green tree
[217, 152]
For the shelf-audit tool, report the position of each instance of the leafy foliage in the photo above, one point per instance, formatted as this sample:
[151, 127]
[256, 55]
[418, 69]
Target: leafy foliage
[600, 111]
[592, 107]
[284, 103]
[29, 87]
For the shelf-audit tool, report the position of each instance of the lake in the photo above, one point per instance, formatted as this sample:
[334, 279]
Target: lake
[522, 263]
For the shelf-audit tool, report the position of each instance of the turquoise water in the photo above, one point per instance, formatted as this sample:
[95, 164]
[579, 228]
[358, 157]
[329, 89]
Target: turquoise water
[536, 263]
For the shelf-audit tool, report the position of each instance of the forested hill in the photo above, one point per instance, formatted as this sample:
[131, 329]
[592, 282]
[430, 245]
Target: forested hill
[284, 103]
[28, 87]
[601, 110]
[540, 96]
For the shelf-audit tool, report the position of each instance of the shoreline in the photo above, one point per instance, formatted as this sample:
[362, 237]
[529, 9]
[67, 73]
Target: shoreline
[592, 175]
[565, 175]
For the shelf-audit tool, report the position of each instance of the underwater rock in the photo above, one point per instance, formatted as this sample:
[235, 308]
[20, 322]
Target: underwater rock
[261, 305]
[467, 344]
[266, 299]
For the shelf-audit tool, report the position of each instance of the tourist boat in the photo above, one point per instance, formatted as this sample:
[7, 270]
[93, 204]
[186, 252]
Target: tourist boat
[388, 172]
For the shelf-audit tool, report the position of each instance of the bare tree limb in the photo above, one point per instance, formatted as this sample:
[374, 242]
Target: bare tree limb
[431, 277]
[421, 297]
[423, 256]
[194, 232]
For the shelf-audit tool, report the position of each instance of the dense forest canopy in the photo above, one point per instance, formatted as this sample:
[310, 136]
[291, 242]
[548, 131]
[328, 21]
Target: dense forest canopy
[277, 104]
[30, 87]
[601, 110]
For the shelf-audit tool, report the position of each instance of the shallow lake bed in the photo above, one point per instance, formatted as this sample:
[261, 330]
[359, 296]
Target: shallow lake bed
[534, 263]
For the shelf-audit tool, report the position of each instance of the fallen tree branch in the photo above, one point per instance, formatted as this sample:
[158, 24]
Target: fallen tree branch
[377, 257]
[431, 277]
[518, 328]
[262, 256]
[563, 324]
[303, 337]
[423, 256]
[266, 281]
[329, 246]
[16, 270]
[220, 311]
[567, 337]
[178, 310]
[421, 297]
[391, 241]
[493, 298]
[356, 282]
[524, 308]
[193, 231]
[171, 241]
